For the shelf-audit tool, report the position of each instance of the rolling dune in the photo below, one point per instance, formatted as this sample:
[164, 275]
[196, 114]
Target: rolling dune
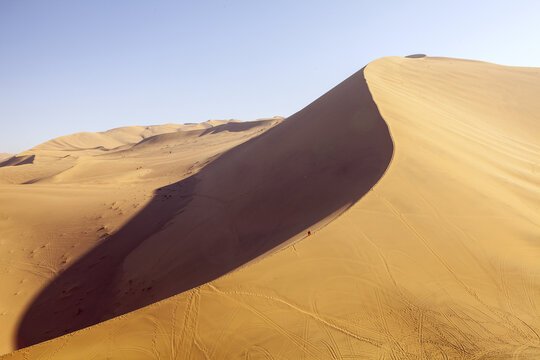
[418, 178]
[67, 202]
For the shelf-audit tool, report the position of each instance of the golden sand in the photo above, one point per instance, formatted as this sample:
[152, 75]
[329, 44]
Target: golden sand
[418, 178]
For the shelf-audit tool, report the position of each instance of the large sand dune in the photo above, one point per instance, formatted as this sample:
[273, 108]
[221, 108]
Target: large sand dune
[428, 168]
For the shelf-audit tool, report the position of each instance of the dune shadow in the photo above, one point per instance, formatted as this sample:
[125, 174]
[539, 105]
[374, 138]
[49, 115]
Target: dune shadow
[18, 160]
[252, 198]
[416, 56]
[234, 127]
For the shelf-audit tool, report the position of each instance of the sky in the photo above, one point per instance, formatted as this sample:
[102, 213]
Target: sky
[68, 66]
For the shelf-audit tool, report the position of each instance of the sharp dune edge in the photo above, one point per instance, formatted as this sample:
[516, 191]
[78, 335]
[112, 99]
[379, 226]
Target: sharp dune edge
[417, 176]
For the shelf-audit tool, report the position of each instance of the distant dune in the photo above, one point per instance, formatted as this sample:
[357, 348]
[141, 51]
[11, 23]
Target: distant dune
[115, 138]
[417, 178]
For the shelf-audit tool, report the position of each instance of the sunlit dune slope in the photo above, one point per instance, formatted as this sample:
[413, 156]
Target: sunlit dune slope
[438, 261]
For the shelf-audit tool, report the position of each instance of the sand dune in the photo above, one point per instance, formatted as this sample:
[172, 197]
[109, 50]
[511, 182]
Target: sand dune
[67, 202]
[255, 198]
[417, 176]
[114, 138]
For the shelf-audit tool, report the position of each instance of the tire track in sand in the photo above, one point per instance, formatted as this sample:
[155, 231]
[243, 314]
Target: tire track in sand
[189, 328]
[312, 315]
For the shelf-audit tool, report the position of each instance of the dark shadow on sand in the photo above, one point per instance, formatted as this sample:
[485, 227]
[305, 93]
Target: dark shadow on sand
[251, 199]
[18, 160]
[234, 127]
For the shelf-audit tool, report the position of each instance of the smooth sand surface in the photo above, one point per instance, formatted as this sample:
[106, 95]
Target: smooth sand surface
[433, 254]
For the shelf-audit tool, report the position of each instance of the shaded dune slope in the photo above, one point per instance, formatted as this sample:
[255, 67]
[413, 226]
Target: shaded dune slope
[298, 175]
[18, 160]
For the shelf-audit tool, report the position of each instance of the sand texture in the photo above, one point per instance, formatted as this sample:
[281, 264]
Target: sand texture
[418, 178]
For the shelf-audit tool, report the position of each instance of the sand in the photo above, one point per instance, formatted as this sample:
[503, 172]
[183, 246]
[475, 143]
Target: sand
[67, 201]
[418, 178]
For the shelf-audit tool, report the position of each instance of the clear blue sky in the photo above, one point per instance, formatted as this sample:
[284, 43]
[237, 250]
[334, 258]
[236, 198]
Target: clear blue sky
[69, 66]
